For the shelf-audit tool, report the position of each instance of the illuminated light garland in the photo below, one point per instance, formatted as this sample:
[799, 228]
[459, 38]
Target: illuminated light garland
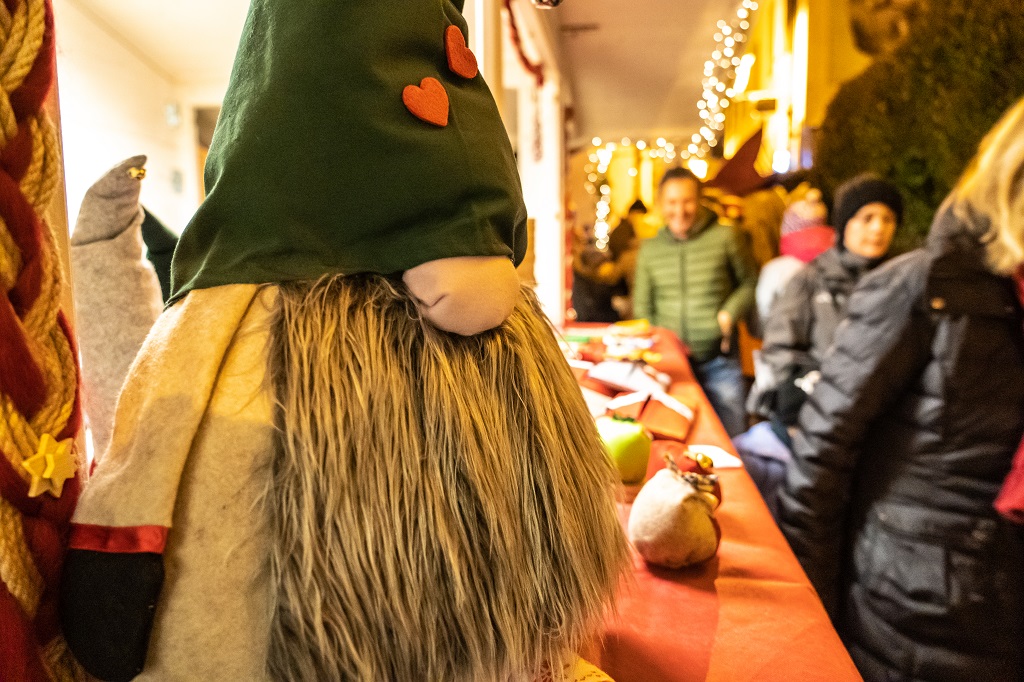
[719, 79]
[720, 86]
[596, 170]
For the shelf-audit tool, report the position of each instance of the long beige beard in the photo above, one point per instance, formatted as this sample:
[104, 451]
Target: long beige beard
[442, 505]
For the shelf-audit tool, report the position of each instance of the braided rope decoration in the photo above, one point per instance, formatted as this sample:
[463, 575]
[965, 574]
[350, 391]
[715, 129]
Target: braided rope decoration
[39, 407]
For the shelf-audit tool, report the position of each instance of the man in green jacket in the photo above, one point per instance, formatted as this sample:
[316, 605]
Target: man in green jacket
[696, 277]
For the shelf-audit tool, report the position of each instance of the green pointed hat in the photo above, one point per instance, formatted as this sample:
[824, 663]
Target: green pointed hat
[356, 136]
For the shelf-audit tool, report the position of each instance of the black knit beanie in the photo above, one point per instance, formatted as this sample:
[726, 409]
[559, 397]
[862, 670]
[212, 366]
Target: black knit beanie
[857, 193]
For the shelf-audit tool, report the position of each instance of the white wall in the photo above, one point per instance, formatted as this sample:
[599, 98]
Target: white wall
[192, 97]
[543, 175]
[114, 104]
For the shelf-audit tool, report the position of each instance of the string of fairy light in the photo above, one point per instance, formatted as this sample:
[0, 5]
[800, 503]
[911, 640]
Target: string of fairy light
[722, 71]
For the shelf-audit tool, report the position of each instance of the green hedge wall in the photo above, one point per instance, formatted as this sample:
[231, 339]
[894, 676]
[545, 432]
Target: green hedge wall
[916, 117]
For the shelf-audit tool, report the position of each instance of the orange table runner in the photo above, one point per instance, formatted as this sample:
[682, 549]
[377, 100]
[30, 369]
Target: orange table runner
[749, 614]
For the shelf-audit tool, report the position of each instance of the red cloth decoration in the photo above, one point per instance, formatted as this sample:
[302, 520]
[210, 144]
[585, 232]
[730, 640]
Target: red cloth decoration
[461, 59]
[126, 540]
[428, 101]
[1010, 501]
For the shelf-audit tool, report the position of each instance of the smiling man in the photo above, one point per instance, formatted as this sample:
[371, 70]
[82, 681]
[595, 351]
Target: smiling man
[697, 278]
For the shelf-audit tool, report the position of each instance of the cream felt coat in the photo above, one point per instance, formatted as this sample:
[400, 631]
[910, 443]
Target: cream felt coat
[191, 450]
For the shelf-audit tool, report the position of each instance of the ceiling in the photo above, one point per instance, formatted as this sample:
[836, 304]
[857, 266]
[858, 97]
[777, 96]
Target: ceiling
[639, 73]
[635, 68]
[192, 41]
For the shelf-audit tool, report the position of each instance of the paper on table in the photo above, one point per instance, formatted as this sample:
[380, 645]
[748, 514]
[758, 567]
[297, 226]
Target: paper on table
[720, 458]
[597, 403]
[628, 376]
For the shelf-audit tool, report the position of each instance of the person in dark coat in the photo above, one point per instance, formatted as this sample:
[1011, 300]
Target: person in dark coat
[591, 297]
[802, 322]
[910, 434]
[617, 267]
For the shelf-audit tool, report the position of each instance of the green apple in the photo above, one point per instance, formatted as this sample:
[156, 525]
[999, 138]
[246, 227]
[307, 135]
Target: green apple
[628, 445]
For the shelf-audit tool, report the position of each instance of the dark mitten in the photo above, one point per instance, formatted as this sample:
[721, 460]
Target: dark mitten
[160, 243]
[108, 601]
[792, 393]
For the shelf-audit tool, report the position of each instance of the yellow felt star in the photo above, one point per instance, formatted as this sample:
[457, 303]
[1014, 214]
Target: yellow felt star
[53, 464]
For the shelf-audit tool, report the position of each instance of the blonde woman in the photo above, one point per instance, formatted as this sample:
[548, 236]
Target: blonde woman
[909, 437]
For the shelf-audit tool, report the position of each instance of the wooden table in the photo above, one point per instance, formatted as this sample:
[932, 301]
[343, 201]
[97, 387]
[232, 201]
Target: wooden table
[748, 614]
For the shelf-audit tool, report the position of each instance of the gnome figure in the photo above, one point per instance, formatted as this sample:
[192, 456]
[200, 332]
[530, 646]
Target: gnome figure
[117, 293]
[350, 448]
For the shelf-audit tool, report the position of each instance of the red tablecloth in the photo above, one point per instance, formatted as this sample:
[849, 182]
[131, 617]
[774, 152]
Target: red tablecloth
[749, 614]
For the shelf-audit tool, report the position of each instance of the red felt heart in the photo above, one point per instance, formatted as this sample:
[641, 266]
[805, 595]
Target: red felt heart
[461, 59]
[427, 102]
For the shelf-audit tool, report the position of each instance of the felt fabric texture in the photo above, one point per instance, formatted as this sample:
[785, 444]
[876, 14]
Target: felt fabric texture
[1010, 501]
[587, 672]
[672, 524]
[94, 581]
[317, 166]
[461, 59]
[206, 474]
[160, 243]
[857, 193]
[427, 101]
[465, 296]
[117, 293]
[205, 470]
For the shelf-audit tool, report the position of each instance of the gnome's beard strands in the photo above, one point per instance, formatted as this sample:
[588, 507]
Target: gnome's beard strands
[442, 505]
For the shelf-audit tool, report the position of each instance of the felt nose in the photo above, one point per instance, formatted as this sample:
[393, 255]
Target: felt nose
[466, 295]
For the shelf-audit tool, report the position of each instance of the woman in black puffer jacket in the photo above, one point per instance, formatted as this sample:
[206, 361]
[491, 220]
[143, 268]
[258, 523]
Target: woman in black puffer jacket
[908, 437]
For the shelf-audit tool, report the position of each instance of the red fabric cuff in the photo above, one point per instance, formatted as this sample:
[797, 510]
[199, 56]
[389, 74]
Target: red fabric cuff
[128, 540]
